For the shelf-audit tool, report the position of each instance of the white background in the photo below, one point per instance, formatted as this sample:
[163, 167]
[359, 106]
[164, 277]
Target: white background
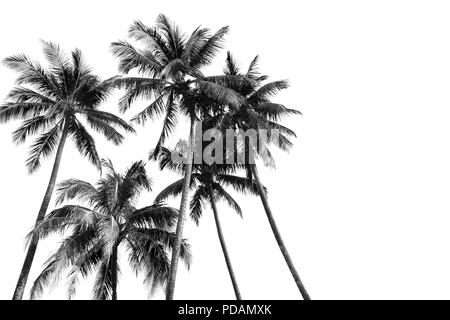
[363, 197]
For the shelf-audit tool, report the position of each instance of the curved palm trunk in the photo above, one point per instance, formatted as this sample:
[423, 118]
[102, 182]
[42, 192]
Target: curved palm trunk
[114, 273]
[277, 234]
[224, 248]
[181, 218]
[23, 277]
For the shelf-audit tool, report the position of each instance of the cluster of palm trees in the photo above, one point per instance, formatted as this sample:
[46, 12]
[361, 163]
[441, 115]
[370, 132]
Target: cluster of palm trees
[164, 66]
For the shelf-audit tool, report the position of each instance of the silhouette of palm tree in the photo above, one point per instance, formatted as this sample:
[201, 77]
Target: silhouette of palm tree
[110, 220]
[51, 102]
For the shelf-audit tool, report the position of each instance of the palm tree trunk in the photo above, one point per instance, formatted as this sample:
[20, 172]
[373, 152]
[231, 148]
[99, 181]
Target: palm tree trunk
[224, 247]
[277, 234]
[114, 273]
[181, 217]
[23, 277]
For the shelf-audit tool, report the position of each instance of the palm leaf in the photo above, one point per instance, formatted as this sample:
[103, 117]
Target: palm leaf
[221, 194]
[240, 184]
[156, 108]
[22, 110]
[103, 281]
[84, 142]
[33, 126]
[196, 205]
[132, 58]
[74, 189]
[209, 49]
[43, 147]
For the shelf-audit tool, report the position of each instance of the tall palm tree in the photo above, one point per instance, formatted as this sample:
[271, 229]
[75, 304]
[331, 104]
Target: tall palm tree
[51, 102]
[169, 65]
[208, 182]
[259, 112]
[108, 221]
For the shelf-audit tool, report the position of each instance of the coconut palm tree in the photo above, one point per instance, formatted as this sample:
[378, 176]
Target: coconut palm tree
[51, 103]
[259, 112]
[208, 182]
[105, 221]
[169, 65]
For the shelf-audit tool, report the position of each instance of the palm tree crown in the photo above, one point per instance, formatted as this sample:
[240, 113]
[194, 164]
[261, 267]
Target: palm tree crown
[51, 102]
[205, 178]
[108, 220]
[257, 110]
[170, 66]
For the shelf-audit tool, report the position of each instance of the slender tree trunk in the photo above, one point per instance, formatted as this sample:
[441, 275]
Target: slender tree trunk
[224, 247]
[181, 217]
[23, 277]
[277, 234]
[114, 273]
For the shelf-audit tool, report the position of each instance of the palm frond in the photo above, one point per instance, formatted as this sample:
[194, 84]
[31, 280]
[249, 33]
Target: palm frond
[282, 129]
[264, 93]
[174, 69]
[221, 194]
[175, 39]
[80, 69]
[201, 194]
[22, 110]
[173, 190]
[156, 42]
[44, 278]
[33, 126]
[75, 189]
[280, 140]
[194, 43]
[103, 281]
[156, 108]
[252, 71]
[20, 94]
[150, 259]
[132, 58]
[133, 182]
[274, 111]
[69, 249]
[107, 164]
[43, 147]
[235, 82]
[110, 133]
[84, 142]
[219, 93]
[62, 219]
[108, 118]
[137, 89]
[168, 124]
[147, 238]
[59, 65]
[32, 73]
[208, 50]
[83, 265]
[155, 216]
[231, 66]
[240, 184]
[108, 234]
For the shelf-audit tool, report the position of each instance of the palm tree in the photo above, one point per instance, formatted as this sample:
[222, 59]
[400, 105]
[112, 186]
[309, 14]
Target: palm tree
[259, 112]
[51, 102]
[207, 183]
[108, 221]
[170, 67]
